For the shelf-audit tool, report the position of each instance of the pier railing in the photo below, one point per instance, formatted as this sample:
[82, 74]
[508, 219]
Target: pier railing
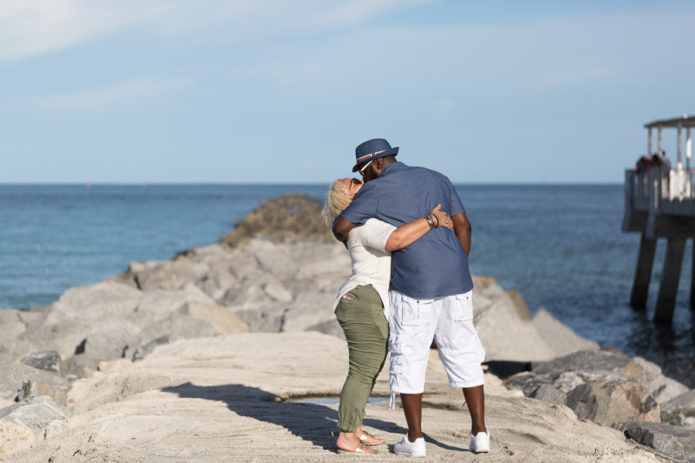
[661, 190]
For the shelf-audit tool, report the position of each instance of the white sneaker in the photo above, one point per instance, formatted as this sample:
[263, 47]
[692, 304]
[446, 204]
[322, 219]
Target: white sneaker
[480, 443]
[410, 449]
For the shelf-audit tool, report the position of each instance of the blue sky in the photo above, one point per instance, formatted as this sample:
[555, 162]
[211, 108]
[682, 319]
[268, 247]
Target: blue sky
[262, 91]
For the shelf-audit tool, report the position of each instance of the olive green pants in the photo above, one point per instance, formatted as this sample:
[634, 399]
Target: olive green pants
[361, 315]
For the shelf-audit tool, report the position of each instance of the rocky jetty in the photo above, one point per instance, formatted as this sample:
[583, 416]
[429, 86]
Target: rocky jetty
[200, 357]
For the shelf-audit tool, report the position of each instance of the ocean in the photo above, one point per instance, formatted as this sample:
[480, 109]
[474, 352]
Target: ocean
[560, 246]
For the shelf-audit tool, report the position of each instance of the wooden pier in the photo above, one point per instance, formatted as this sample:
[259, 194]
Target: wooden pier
[660, 203]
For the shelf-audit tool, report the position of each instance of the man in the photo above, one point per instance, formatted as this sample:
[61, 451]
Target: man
[430, 290]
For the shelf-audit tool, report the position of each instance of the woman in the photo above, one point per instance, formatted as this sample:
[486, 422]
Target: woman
[361, 306]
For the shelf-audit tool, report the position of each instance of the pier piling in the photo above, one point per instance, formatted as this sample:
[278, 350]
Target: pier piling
[645, 262]
[692, 279]
[668, 288]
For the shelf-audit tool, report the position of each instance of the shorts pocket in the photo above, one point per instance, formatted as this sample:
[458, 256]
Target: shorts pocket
[463, 308]
[408, 312]
[399, 347]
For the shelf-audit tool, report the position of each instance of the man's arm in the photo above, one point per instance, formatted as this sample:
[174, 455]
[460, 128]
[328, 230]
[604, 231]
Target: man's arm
[462, 228]
[341, 228]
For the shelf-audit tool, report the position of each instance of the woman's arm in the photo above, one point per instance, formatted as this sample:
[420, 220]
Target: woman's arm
[410, 232]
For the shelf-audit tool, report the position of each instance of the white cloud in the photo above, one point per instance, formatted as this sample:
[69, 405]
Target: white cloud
[530, 56]
[30, 27]
[120, 93]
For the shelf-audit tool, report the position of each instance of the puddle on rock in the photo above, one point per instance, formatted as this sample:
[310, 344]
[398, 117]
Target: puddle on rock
[335, 400]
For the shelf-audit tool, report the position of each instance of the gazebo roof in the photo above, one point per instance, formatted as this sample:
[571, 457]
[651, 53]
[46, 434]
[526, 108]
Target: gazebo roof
[683, 121]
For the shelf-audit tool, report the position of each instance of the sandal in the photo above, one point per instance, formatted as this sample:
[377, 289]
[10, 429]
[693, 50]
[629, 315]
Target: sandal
[365, 435]
[358, 449]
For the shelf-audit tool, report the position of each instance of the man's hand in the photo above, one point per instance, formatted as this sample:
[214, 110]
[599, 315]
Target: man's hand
[462, 228]
[341, 228]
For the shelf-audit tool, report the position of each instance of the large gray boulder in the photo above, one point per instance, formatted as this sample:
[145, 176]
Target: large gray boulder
[222, 319]
[558, 336]
[661, 387]
[169, 275]
[47, 360]
[607, 401]
[11, 325]
[34, 412]
[178, 325]
[603, 386]
[19, 380]
[673, 441]
[80, 366]
[680, 410]
[80, 311]
[505, 334]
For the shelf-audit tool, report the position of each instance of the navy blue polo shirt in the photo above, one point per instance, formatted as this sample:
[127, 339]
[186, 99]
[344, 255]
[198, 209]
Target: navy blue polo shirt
[435, 265]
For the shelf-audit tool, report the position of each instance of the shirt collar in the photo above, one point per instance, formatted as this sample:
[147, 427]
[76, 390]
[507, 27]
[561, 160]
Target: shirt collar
[394, 166]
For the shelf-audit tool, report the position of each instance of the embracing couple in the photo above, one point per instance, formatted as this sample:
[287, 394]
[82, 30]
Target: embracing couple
[408, 237]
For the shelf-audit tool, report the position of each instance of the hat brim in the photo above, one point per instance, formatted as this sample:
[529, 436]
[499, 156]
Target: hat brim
[392, 152]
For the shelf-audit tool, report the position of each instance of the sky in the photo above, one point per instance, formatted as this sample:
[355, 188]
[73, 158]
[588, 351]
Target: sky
[274, 91]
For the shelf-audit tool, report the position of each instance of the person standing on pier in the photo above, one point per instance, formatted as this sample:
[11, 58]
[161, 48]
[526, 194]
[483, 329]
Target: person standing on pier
[430, 290]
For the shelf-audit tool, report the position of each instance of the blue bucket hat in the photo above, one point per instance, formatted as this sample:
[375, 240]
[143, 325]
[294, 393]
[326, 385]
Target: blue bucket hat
[372, 149]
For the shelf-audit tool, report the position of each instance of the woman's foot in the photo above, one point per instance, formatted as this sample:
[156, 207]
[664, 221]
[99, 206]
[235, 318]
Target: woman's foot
[367, 438]
[350, 442]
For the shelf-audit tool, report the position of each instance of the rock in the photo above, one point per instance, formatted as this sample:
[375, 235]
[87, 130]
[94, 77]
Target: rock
[11, 326]
[661, 387]
[141, 352]
[218, 282]
[551, 394]
[277, 260]
[48, 361]
[559, 337]
[268, 319]
[171, 274]
[603, 386]
[520, 304]
[277, 292]
[481, 283]
[222, 319]
[95, 301]
[612, 400]
[177, 326]
[14, 437]
[680, 410]
[75, 315]
[330, 327]
[109, 338]
[247, 297]
[244, 263]
[16, 376]
[228, 388]
[308, 310]
[676, 442]
[506, 336]
[80, 366]
[589, 360]
[528, 383]
[291, 217]
[34, 412]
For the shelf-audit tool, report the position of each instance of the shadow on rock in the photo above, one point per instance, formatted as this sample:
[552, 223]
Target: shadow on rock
[310, 422]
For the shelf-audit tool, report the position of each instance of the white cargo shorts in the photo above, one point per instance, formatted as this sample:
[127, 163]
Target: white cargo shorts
[415, 323]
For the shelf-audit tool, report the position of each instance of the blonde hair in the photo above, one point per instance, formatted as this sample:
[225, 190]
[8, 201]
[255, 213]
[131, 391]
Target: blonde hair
[337, 199]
